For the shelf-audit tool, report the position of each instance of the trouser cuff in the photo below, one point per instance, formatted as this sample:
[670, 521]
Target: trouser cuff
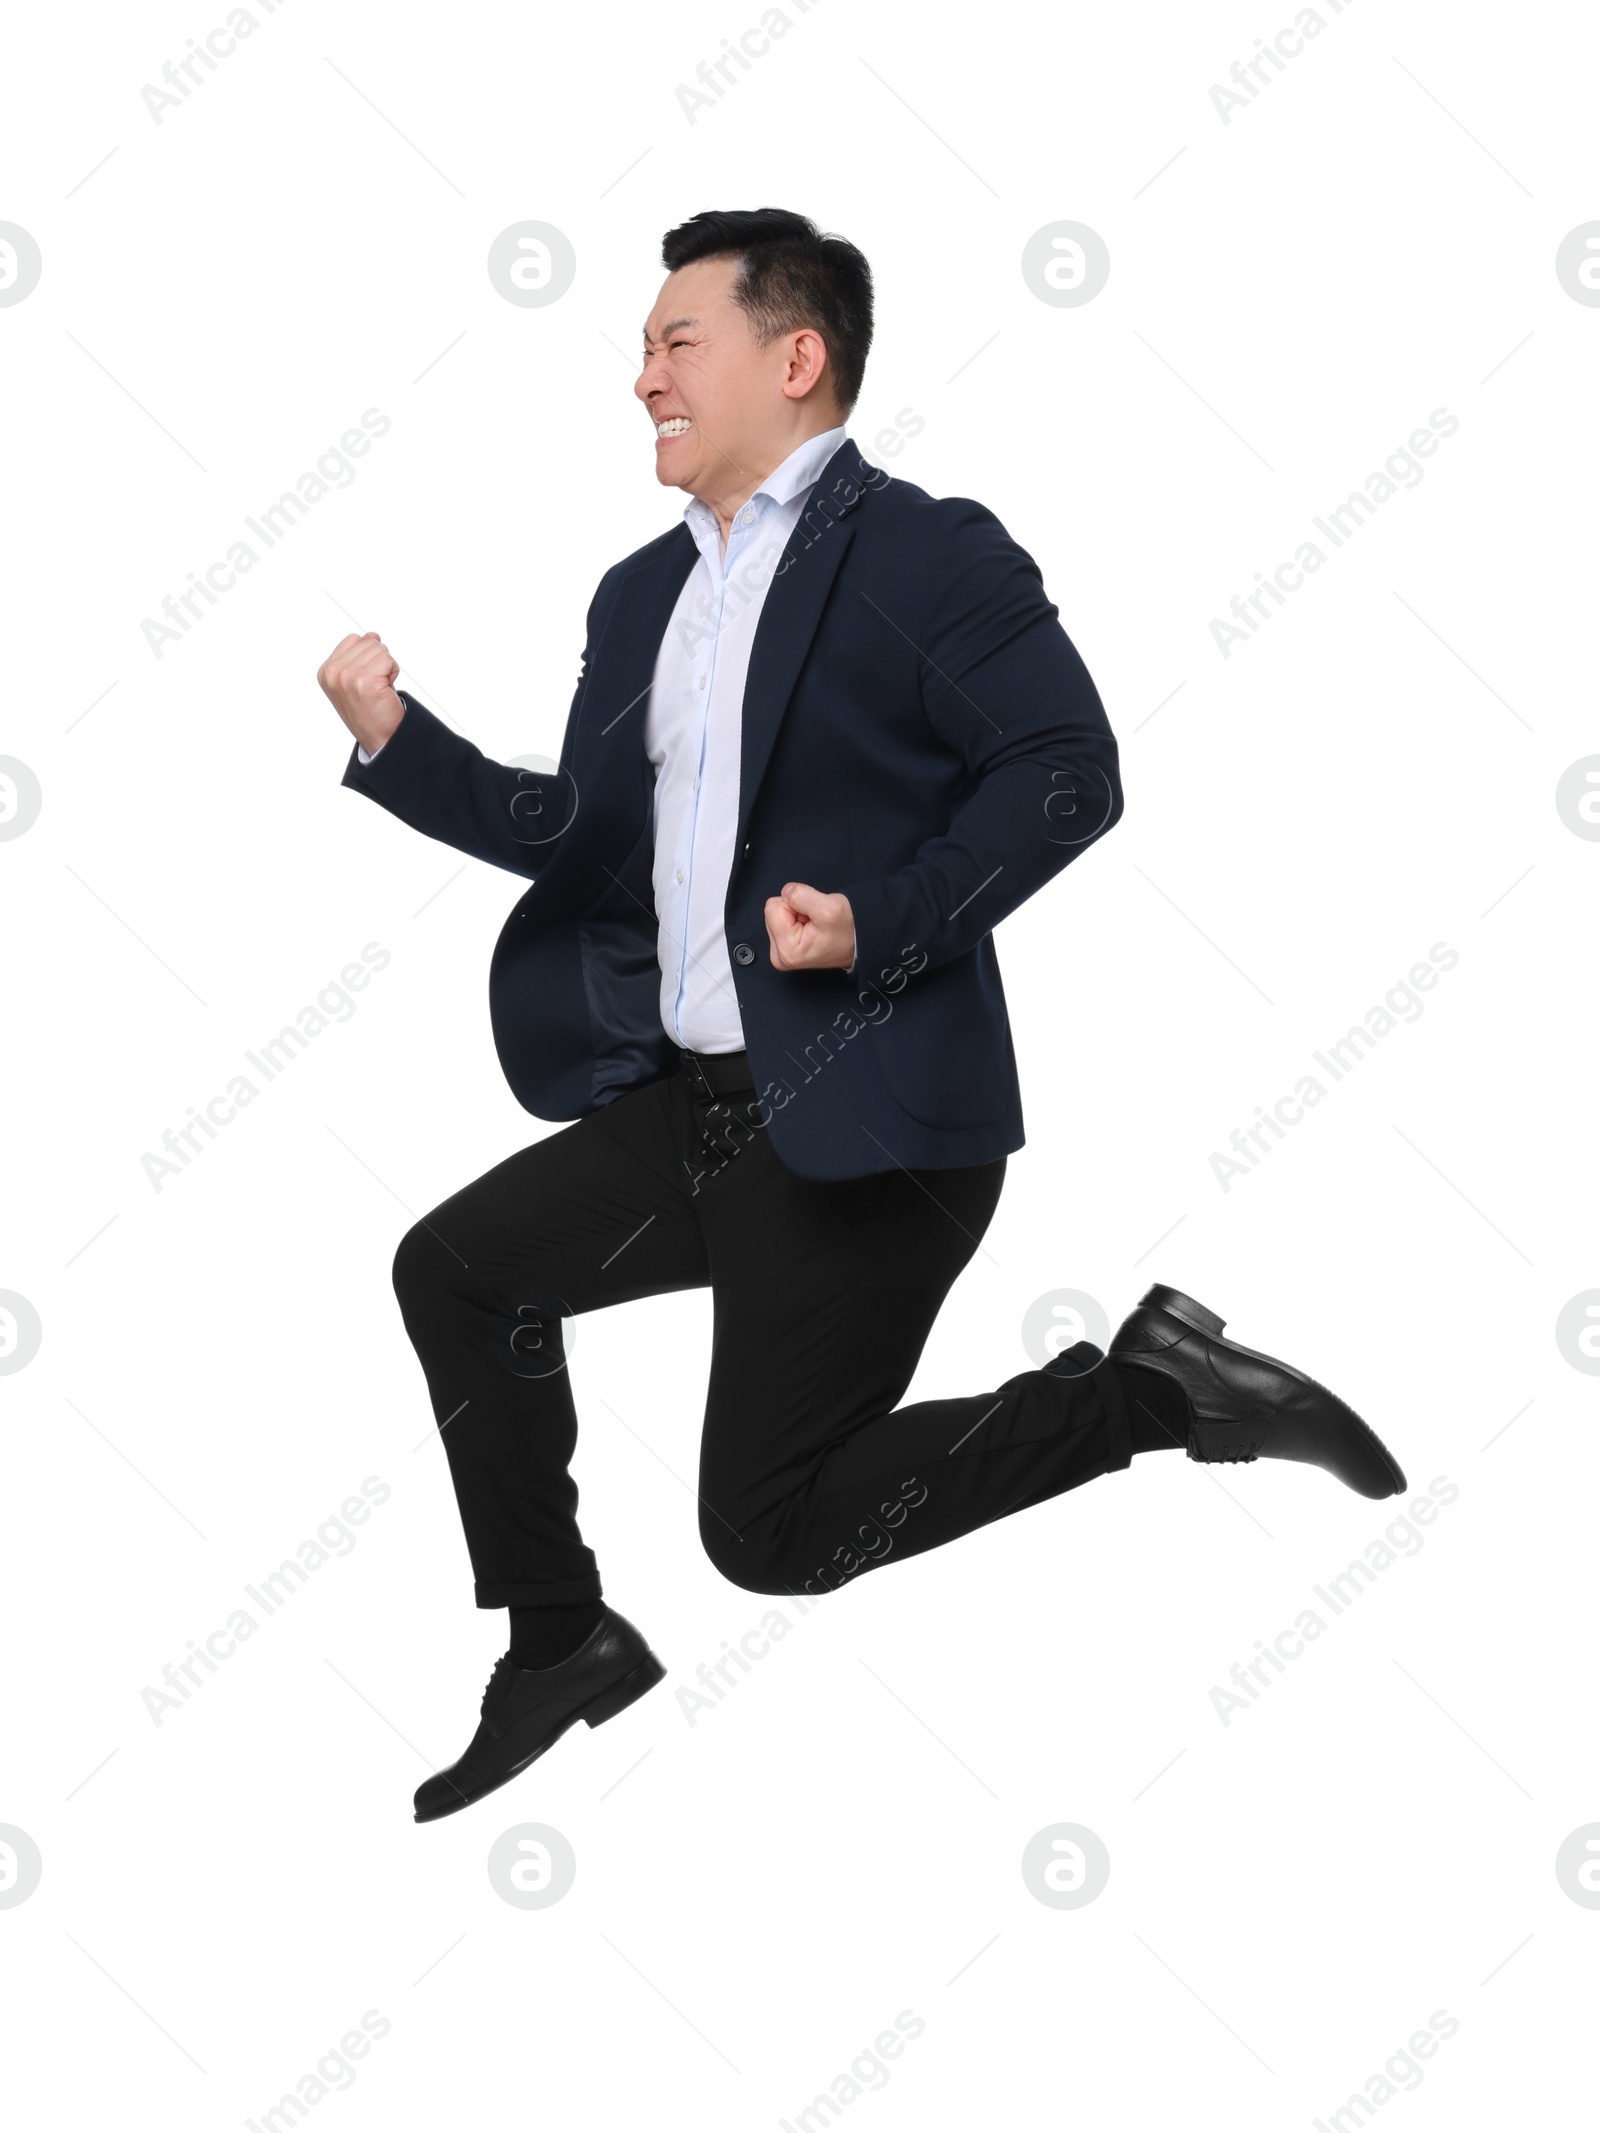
[571, 1594]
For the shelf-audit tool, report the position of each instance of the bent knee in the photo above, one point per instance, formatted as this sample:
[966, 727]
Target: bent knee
[420, 1261]
[758, 1561]
[745, 1559]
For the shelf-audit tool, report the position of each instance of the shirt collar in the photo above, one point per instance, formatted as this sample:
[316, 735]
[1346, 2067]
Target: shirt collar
[786, 481]
[803, 465]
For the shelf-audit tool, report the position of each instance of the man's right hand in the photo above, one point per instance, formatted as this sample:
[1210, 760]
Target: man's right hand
[357, 677]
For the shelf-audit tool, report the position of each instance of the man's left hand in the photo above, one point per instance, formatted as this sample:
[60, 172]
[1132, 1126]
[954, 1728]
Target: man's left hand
[810, 930]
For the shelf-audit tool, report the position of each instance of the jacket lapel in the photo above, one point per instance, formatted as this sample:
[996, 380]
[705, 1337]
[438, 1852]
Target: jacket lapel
[790, 614]
[610, 770]
[611, 724]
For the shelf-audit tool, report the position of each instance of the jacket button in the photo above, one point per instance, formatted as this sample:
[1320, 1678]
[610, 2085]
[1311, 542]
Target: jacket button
[744, 953]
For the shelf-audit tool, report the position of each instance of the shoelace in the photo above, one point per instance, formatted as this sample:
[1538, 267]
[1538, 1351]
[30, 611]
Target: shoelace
[498, 1682]
[1224, 1458]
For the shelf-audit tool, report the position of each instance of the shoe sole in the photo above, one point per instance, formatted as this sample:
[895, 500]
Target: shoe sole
[1174, 1304]
[639, 1682]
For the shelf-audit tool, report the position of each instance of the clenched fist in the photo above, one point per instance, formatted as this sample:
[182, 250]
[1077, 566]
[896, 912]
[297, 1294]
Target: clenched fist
[810, 930]
[357, 677]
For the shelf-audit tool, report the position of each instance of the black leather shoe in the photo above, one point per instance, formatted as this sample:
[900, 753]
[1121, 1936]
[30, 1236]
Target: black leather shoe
[527, 1709]
[1244, 1405]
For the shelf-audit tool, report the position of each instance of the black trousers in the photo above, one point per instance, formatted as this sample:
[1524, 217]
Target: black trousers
[823, 1295]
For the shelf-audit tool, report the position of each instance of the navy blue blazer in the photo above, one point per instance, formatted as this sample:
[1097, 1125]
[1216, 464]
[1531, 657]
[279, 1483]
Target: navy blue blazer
[918, 732]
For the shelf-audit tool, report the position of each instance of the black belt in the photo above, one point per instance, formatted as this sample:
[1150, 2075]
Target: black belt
[717, 1073]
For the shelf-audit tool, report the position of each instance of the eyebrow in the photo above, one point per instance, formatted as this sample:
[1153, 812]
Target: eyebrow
[671, 326]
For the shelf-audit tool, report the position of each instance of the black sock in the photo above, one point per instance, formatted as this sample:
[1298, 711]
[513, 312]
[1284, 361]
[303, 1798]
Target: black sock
[1158, 1412]
[544, 1636]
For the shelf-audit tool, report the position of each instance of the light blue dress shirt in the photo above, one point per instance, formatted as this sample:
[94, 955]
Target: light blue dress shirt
[692, 735]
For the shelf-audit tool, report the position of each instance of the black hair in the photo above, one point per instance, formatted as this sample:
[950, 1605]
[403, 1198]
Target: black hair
[790, 275]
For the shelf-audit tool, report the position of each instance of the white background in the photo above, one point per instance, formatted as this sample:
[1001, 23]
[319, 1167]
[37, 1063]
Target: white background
[759, 1894]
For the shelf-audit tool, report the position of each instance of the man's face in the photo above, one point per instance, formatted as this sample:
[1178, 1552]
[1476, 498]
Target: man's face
[727, 405]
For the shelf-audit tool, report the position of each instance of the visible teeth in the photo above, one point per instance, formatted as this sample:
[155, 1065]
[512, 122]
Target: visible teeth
[674, 426]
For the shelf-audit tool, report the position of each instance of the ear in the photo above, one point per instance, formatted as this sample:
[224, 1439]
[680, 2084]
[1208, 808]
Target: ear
[808, 365]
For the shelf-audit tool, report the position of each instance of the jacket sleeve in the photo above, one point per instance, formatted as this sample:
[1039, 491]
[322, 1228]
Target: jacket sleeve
[1004, 687]
[436, 781]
